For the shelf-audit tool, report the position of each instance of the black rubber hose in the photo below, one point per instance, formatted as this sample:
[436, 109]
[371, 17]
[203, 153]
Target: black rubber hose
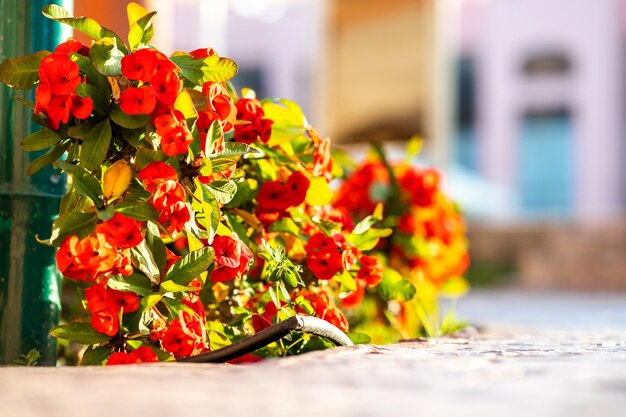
[273, 333]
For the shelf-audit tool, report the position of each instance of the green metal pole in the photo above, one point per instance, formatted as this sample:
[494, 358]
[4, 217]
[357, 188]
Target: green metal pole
[29, 281]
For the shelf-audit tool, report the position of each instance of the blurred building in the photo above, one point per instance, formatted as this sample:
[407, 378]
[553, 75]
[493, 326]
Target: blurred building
[542, 103]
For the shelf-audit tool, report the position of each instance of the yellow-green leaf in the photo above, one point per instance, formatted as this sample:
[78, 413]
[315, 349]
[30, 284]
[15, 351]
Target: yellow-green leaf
[22, 73]
[319, 192]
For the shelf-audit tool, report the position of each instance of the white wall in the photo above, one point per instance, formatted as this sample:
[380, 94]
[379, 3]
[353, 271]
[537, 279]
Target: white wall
[590, 31]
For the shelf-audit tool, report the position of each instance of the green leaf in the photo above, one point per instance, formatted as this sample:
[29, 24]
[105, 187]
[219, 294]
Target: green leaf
[81, 333]
[96, 356]
[234, 149]
[189, 267]
[285, 225]
[394, 287]
[156, 245]
[136, 283]
[220, 164]
[145, 156]
[289, 121]
[369, 239]
[364, 225]
[215, 134]
[30, 359]
[129, 122]
[92, 75]
[208, 206]
[305, 305]
[223, 191]
[141, 31]
[144, 260]
[171, 286]
[22, 73]
[72, 224]
[106, 57]
[40, 140]
[212, 68]
[217, 336]
[86, 184]
[138, 210]
[49, 157]
[84, 24]
[79, 132]
[94, 149]
[99, 97]
[359, 338]
[347, 281]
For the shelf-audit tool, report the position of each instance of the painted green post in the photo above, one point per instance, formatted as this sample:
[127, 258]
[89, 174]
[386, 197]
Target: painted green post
[29, 281]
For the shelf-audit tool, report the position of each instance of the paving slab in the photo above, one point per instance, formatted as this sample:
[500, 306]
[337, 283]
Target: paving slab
[517, 362]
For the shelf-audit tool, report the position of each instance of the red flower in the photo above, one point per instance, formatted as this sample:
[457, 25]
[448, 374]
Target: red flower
[320, 243]
[81, 106]
[121, 231]
[249, 109]
[354, 298]
[137, 100]
[140, 65]
[325, 265]
[227, 251]
[43, 95]
[96, 297]
[298, 185]
[105, 322]
[421, 185]
[371, 270]
[121, 358]
[59, 110]
[155, 173]
[85, 259]
[232, 258]
[185, 335]
[273, 196]
[71, 46]
[166, 194]
[61, 73]
[202, 53]
[175, 217]
[263, 321]
[125, 301]
[144, 354]
[176, 141]
[166, 85]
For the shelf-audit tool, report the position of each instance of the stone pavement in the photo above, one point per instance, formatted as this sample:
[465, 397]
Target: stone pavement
[532, 355]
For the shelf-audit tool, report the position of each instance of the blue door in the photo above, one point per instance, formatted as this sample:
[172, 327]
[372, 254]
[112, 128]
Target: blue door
[545, 166]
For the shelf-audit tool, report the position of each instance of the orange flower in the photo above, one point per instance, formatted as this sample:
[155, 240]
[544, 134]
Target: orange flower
[166, 85]
[61, 73]
[121, 231]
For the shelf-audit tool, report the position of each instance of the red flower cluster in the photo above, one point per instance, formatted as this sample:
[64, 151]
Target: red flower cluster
[421, 185]
[370, 275]
[185, 336]
[232, 258]
[220, 108]
[324, 309]
[174, 133]
[258, 128]
[140, 355]
[275, 197]
[59, 76]
[324, 257]
[97, 255]
[105, 304]
[355, 193]
[168, 196]
[161, 83]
